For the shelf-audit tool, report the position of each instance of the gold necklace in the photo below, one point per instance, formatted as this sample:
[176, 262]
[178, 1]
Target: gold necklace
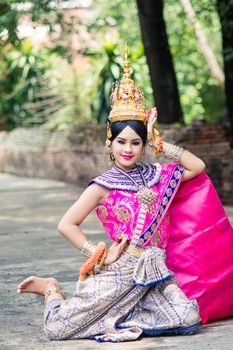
[146, 196]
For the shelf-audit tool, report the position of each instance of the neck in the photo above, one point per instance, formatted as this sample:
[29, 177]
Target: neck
[126, 169]
[130, 177]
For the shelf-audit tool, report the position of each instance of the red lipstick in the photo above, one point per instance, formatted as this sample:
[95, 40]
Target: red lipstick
[126, 157]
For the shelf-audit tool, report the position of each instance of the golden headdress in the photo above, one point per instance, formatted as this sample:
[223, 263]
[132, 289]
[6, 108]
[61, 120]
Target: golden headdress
[127, 101]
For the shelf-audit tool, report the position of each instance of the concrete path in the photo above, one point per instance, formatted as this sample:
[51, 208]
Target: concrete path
[30, 244]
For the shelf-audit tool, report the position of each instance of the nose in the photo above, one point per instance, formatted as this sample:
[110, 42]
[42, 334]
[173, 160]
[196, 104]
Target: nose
[128, 148]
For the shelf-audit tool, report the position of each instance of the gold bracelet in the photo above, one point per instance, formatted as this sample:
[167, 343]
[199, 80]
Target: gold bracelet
[88, 248]
[53, 291]
[159, 148]
[172, 151]
[155, 135]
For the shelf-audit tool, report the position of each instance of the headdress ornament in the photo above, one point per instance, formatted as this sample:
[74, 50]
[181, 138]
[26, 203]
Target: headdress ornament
[127, 101]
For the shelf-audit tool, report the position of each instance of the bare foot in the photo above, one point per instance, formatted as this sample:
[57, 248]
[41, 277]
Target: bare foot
[37, 285]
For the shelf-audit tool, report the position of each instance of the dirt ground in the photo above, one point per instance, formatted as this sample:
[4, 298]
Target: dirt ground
[30, 245]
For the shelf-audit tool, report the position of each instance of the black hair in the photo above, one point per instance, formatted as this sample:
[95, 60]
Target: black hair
[138, 126]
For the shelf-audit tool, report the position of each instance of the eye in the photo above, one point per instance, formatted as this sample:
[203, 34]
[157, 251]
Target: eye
[121, 142]
[136, 143]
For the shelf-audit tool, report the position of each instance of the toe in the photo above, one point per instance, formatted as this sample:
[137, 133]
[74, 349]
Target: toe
[24, 284]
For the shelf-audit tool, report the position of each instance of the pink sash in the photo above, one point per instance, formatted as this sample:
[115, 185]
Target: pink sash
[200, 248]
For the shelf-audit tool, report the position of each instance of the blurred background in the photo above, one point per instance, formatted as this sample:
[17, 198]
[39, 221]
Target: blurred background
[58, 60]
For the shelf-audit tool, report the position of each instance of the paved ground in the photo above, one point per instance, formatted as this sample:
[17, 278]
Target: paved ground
[30, 244]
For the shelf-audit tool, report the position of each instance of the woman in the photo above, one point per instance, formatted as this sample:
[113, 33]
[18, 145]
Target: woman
[130, 290]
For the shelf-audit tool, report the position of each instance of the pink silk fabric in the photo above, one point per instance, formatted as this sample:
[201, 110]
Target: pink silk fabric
[200, 248]
[120, 211]
[195, 232]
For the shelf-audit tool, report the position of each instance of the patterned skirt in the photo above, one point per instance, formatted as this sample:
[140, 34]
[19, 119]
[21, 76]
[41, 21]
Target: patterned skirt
[131, 297]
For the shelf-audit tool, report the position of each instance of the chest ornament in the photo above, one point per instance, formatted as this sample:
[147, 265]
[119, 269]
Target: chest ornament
[146, 196]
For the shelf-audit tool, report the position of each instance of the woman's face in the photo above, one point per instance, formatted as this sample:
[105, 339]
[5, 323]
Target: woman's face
[127, 148]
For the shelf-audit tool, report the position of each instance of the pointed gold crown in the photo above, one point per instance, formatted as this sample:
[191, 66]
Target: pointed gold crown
[127, 101]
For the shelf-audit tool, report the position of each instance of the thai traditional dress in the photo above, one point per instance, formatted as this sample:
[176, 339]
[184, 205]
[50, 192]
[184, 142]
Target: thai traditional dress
[137, 294]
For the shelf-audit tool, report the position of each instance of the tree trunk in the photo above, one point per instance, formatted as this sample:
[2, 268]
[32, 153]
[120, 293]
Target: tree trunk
[203, 44]
[225, 11]
[159, 60]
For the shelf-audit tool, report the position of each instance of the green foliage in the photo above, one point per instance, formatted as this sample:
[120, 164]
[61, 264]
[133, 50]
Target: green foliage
[40, 11]
[114, 24]
[225, 8]
[8, 24]
[110, 62]
[109, 72]
[26, 85]
[25, 80]
[201, 96]
[34, 91]
[75, 89]
[118, 19]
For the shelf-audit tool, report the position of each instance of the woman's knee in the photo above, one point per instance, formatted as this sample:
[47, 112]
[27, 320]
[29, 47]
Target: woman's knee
[54, 326]
[191, 316]
[186, 309]
[55, 331]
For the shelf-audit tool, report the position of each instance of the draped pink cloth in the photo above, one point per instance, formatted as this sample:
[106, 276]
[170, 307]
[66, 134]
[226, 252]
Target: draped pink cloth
[195, 232]
[200, 248]
[119, 213]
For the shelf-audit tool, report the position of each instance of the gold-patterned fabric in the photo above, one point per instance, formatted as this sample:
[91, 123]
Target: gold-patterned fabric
[130, 297]
[137, 293]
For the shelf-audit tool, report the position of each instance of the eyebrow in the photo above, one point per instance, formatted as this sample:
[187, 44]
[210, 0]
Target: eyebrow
[121, 138]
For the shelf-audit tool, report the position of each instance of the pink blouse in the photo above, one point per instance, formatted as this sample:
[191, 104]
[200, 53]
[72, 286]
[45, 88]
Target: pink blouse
[119, 214]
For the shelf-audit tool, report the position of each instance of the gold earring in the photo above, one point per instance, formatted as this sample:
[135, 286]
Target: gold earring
[111, 156]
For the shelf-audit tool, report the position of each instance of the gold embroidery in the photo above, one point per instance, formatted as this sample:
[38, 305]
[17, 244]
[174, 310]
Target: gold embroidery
[177, 174]
[122, 214]
[161, 210]
[153, 227]
[163, 178]
[133, 251]
[147, 235]
[103, 212]
[140, 242]
[146, 198]
[121, 235]
[155, 239]
[169, 192]
[173, 183]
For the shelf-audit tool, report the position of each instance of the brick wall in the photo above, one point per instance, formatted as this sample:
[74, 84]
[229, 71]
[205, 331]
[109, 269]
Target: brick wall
[79, 154]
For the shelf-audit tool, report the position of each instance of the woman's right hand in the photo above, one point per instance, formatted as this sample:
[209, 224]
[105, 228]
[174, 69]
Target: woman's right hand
[152, 117]
[115, 251]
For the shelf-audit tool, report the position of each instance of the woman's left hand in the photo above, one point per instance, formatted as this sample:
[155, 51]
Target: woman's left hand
[115, 251]
[153, 114]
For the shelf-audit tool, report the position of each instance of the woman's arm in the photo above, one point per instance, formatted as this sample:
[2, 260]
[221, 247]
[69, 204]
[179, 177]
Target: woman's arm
[69, 224]
[191, 163]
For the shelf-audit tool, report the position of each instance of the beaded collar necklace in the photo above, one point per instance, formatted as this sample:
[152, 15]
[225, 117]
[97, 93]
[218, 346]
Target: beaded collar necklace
[146, 196]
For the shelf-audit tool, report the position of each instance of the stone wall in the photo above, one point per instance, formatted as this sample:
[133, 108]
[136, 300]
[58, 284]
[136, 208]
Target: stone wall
[79, 154]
